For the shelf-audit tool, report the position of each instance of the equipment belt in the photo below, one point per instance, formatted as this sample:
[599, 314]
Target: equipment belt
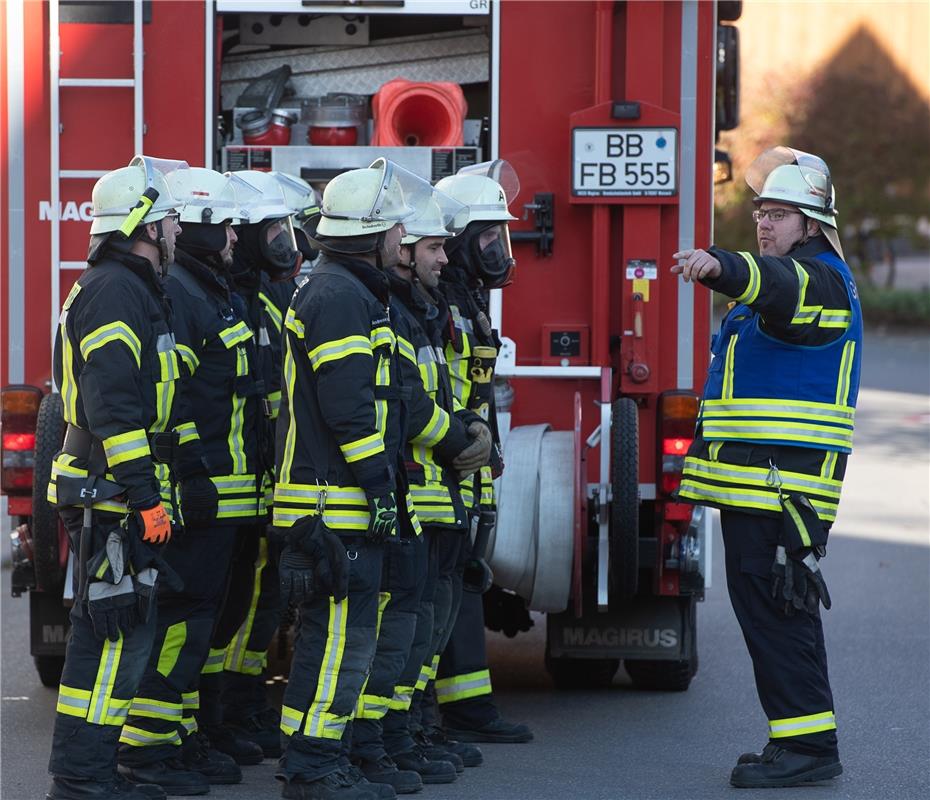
[84, 445]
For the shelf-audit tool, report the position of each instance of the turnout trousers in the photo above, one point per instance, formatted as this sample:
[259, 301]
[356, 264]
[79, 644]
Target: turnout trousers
[405, 624]
[247, 653]
[99, 680]
[333, 652]
[463, 681]
[789, 658]
[162, 713]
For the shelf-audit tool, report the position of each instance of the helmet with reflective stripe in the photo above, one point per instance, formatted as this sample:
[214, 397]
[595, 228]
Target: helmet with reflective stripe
[212, 195]
[135, 195]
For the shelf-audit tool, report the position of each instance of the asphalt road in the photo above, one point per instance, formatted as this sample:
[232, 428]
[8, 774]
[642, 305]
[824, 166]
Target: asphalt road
[623, 743]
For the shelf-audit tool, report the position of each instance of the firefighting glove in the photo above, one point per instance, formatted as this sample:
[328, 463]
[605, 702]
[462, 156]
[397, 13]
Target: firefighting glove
[199, 500]
[295, 574]
[153, 524]
[382, 524]
[326, 552]
[797, 581]
[477, 454]
[112, 608]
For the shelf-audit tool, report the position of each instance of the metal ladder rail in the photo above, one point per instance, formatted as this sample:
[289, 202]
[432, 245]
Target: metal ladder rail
[56, 83]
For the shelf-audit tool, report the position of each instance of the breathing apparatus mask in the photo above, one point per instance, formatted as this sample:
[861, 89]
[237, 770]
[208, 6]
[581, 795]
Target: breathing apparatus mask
[486, 190]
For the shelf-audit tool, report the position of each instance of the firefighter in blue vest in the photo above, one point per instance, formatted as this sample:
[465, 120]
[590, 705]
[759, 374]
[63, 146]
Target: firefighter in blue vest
[479, 260]
[117, 366]
[774, 432]
[221, 494]
[247, 712]
[442, 442]
[340, 497]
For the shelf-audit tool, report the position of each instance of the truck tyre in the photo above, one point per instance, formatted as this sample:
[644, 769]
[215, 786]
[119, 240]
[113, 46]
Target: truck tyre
[50, 432]
[668, 676]
[49, 669]
[624, 506]
[582, 673]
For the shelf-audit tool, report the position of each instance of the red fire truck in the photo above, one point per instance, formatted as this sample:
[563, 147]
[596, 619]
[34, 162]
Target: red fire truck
[607, 111]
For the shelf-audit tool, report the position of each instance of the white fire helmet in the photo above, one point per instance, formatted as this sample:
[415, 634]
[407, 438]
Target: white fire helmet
[135, 195]
[785, 175]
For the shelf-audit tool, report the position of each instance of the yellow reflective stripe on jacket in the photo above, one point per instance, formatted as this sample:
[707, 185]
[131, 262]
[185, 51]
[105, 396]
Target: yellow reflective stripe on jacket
[289, 375]
[189, 357]
[69, 385]
[293, 324]
[461, 687]
[695, 490]
[382, 336]
[112, 332]
[235, 334]
[798, 726]
[274, 403]
[751, 292]
[339, 348]
[365, 447]
[320, 722]
[803, 314]
[727, 390]
[236, 440]
[434, 430]
[187, 432]
[346, 506]
[271, 310]
[844, 379]
[405, 348]
[758, 476]
[165, 387]
[835, 318]
[62, 465]
[124, 447]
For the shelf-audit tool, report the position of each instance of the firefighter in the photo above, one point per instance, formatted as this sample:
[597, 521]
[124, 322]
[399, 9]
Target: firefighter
[264, 279]
[221, 495]
[774, 433]
[117, 366]
[479, 260]
[340, 491]
[440, 443]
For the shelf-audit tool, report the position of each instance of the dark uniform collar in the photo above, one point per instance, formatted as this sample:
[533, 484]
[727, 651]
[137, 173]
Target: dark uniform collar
[811, 248]
[208, 278]
[374, 279]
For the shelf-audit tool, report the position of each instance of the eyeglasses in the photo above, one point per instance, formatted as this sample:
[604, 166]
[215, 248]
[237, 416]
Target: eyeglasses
[774, 214]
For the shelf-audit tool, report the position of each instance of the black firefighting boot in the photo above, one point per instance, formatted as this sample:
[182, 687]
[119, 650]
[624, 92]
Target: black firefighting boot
[344, 784]
[116, 788]
[247, 713]
[171, 774]
[779, 767]
[262, 728]
[497, 731]
[385, 771]
[436, 752]
[218, 768]
[430, 771]
[242, 751]
[752, 758]
[470, 755]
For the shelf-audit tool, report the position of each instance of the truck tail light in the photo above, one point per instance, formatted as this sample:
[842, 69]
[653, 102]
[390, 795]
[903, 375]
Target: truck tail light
[677, 418]
[19, 408]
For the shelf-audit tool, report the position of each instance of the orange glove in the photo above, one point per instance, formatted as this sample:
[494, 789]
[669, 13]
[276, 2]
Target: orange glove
[155, 524]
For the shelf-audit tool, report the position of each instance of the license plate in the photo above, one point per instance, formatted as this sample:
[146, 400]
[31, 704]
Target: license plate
[624, 162]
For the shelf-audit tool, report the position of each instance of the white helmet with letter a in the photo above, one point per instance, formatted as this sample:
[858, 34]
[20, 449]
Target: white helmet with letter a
[785, 175]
